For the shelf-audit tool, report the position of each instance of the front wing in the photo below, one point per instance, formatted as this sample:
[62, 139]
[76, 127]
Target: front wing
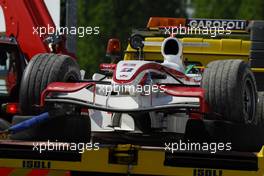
[85, 95]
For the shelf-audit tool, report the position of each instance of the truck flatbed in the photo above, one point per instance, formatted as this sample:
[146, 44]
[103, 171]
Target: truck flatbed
[122, 153]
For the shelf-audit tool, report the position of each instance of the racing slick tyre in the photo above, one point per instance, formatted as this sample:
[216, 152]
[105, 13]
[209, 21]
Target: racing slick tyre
[260, 108]
[230, 91]
[74, 128]
[40, 71]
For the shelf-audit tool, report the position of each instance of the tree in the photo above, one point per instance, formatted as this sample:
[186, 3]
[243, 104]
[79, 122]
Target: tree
[229, 9]
[116, 18]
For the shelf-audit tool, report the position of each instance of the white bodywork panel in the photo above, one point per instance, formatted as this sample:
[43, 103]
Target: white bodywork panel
[126, 69]
[102, 120]
[127, 101]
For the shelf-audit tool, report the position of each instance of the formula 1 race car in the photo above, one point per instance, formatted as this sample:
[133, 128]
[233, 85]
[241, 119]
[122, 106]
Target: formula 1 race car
[145, 90]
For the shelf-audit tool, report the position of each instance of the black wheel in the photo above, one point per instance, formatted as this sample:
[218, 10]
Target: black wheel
[74, 128]
[42, 70]
[231, 90]
[4, 124]
[260, 108]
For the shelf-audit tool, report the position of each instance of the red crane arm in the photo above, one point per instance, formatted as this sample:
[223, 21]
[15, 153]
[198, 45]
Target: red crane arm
[21, 18]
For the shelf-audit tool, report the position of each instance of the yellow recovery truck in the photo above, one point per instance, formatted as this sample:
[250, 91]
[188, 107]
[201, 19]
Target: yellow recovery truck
[128, 153]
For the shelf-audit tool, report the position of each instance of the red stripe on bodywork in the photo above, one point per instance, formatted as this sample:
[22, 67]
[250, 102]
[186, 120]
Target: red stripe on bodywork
[197, 92]
[62, 87]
